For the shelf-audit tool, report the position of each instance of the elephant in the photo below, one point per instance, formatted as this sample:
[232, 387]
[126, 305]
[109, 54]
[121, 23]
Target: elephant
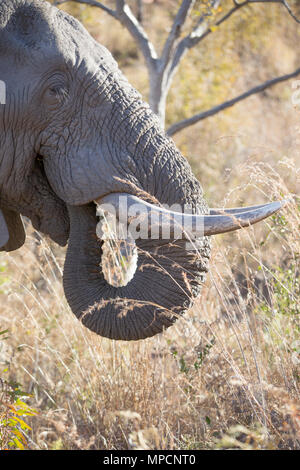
[75, 134]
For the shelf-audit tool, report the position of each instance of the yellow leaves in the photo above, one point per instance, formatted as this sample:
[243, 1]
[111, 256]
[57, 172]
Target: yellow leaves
[24, 409]
[19, 440]
[22, 423]
[12, 411]
[18, 444]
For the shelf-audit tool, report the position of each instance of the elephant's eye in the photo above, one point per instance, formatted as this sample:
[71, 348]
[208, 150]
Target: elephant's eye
[56, 95]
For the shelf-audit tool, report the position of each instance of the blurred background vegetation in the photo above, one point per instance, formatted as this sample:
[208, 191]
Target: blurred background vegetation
[227, 375]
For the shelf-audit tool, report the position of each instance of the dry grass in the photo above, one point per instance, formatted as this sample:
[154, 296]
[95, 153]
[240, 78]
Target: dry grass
[232, 361]
[227, 374]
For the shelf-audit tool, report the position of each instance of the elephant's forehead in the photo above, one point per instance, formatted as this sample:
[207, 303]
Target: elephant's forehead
[27, 19]
[35, 27]
[74, 42]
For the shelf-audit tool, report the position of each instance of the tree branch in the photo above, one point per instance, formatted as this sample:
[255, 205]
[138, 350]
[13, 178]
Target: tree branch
[204, 29]
[127, 18]
[198, 34]
[178, 23]
[227, 104]
[287, 6]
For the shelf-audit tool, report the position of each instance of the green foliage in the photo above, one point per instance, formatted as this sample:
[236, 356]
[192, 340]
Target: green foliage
[202, 353]
[13, 410]
[188, 366]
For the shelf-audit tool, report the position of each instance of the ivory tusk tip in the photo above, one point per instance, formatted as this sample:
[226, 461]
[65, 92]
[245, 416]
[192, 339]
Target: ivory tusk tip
[241, 210]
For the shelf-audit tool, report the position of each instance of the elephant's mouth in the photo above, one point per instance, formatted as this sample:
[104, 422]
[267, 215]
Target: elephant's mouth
[51, 216]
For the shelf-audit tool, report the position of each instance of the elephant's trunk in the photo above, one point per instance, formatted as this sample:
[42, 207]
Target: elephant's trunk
[166, 280]
[169, 274]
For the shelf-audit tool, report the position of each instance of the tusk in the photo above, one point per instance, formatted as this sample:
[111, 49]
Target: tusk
[169, 224]
[235, 210]
[235, 219]
[239, 210]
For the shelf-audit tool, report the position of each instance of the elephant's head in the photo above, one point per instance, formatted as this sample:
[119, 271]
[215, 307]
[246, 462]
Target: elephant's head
[74, 131]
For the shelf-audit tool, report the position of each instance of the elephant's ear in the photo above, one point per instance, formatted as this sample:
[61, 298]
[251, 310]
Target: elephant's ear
[12, 233]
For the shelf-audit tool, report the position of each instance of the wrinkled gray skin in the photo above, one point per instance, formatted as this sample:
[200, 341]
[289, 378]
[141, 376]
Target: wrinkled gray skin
[72, 130]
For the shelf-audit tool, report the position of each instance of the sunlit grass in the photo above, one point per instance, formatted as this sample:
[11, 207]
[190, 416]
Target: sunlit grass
[225, 375]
